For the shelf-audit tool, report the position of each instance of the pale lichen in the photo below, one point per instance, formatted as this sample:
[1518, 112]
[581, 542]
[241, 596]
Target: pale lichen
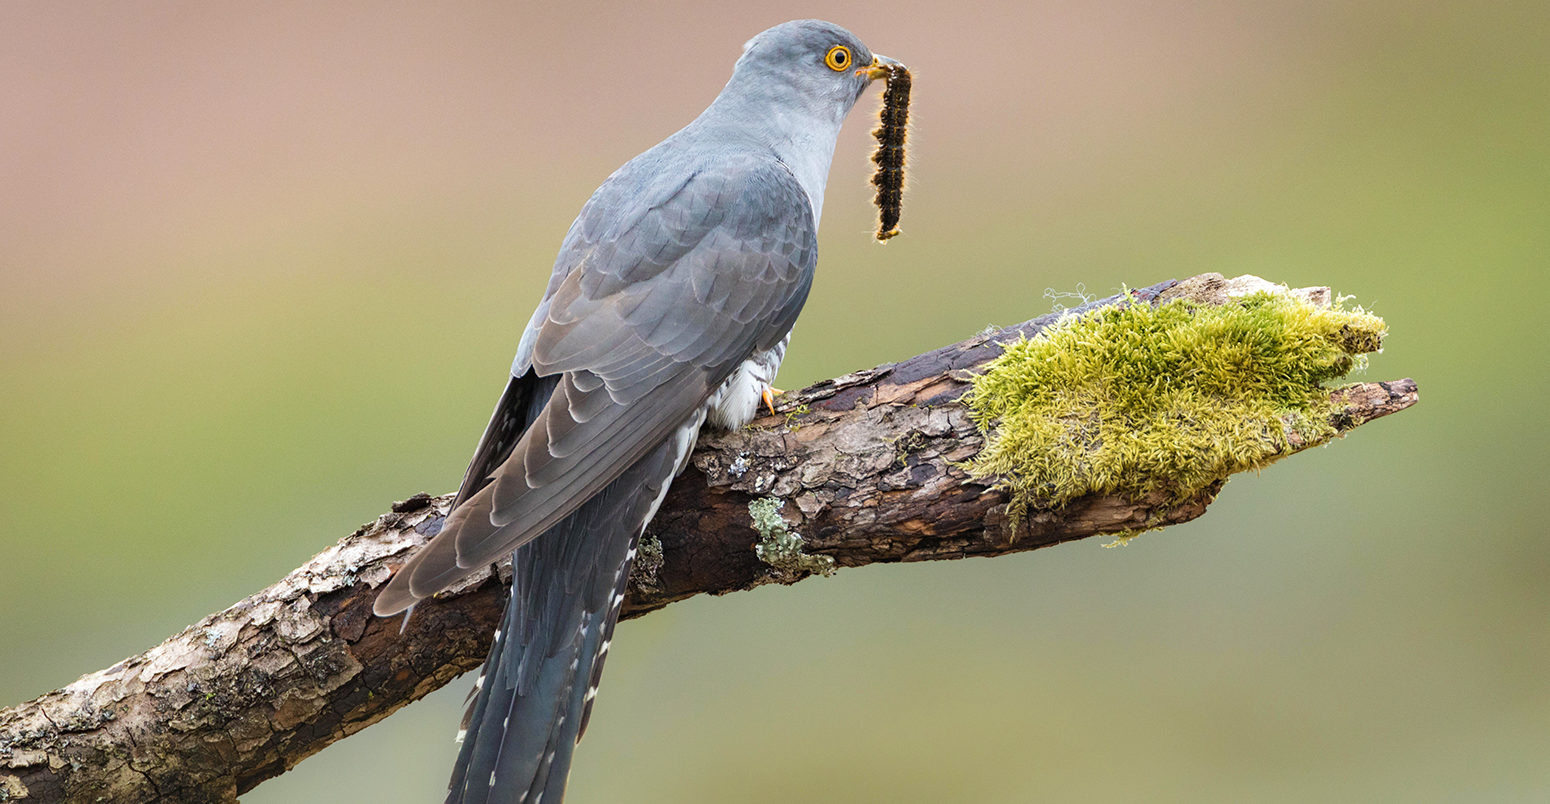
[646, 571]
[779, 546]
[1132, 399]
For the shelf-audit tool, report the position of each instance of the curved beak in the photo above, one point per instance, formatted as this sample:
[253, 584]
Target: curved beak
[880, 67]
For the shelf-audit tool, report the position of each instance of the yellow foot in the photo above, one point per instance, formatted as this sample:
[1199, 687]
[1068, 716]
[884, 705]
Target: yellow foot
[769, 397]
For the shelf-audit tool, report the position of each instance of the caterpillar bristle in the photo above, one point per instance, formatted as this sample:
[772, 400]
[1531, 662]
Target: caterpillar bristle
[892, 129]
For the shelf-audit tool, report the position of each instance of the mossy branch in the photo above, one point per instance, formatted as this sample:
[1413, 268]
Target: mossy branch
[878, 466]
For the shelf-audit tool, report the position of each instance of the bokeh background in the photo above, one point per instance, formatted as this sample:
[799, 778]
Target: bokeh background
[262, 268]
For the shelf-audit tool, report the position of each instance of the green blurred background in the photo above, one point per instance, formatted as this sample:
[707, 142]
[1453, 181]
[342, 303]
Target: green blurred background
[263, 270]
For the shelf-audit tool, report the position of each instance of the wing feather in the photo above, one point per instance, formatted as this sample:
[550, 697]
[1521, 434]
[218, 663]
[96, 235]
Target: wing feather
[658, 295]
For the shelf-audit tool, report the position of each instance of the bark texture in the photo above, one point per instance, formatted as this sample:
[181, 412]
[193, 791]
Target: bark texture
[864, 467]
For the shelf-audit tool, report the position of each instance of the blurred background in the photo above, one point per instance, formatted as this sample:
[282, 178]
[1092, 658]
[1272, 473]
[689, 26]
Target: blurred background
[263, 270]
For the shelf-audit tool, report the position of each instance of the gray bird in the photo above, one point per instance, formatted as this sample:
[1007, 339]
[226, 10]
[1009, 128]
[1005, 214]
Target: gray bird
[671, 302]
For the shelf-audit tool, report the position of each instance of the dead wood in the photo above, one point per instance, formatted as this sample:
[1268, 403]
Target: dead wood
[865, 468]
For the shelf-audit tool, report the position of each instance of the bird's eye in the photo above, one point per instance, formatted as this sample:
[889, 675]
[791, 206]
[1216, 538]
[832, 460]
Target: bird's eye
[838, 58]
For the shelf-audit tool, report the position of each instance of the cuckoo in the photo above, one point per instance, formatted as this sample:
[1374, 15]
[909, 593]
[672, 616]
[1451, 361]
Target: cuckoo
[670, 306]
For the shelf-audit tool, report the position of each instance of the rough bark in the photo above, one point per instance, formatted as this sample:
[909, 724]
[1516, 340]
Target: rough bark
[865, 467]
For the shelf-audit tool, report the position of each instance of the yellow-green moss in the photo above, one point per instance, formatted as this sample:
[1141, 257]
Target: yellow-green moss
[1133, 399]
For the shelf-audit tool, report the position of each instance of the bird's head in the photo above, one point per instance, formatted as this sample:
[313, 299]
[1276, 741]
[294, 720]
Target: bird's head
[816, 65]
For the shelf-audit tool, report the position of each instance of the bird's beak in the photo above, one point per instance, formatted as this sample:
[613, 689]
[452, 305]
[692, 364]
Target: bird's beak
[880, 67]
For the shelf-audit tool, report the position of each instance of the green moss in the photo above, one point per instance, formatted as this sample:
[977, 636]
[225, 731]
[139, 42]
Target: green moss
[1132, 399]
[792, 416]
[778, 546]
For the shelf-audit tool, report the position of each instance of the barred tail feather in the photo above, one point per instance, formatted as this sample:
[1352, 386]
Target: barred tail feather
[535, 692]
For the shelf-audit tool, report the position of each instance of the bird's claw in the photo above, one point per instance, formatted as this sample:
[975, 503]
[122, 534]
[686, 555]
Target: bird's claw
[769, 397]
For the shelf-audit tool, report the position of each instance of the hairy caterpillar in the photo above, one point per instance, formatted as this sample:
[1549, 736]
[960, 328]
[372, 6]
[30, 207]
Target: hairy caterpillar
[889, 157]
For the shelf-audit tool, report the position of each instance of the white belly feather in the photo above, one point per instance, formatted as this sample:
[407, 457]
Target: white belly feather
[737, 401]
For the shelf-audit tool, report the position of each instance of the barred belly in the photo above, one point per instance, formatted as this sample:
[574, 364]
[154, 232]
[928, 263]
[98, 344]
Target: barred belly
[736, 402]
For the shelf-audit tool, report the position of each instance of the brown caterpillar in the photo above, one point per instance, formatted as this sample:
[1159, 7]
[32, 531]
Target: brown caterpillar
[889, 157]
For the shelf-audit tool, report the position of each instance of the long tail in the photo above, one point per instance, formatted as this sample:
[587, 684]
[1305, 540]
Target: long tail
[534, 695]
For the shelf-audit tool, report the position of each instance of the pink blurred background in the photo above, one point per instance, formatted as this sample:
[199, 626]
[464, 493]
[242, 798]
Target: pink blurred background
[265, 264]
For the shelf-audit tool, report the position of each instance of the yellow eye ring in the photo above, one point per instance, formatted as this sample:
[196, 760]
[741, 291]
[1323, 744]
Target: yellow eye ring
[838, 58]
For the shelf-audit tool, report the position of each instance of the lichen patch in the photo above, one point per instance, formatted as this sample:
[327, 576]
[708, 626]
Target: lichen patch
[779, 546]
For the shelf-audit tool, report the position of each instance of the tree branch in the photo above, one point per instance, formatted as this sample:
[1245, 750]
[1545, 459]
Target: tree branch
[866, 468]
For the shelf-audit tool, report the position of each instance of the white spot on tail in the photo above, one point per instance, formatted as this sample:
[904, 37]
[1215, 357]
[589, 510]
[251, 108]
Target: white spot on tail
[461, 733]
